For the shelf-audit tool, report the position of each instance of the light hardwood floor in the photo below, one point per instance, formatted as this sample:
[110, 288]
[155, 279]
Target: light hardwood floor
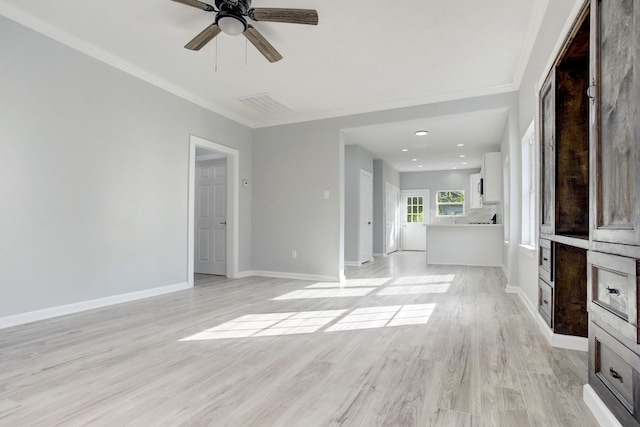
[400, 344]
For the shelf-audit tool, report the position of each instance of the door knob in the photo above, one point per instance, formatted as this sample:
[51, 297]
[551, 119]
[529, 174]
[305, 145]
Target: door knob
[223, 223]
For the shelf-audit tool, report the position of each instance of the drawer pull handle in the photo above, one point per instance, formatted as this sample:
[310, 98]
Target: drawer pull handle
[615, 375]
[545, 302]
[545, 259]
[613, 291]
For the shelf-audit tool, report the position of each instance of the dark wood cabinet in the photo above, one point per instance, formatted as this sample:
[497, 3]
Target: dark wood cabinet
[615, 121]
[547, 155]
[589, 265]
[564, 183]
[614, 255]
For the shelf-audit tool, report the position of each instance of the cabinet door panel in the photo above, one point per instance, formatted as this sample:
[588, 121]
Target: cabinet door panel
[617, 120]
[547, 155]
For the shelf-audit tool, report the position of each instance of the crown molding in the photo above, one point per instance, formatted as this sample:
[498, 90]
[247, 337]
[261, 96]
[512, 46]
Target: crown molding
[53, 32]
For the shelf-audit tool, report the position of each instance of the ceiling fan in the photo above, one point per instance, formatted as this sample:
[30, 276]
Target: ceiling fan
[231, 19]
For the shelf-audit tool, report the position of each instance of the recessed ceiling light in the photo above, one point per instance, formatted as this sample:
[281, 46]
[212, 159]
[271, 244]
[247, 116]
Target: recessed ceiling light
[462, 156]
[405, 149]
[420, 166]
[464, 163]
[460, 145]
[421, 132]
[455, 167]
[414, 160]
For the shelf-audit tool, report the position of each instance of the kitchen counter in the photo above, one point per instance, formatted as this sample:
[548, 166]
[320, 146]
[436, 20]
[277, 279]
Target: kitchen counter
[465, 244]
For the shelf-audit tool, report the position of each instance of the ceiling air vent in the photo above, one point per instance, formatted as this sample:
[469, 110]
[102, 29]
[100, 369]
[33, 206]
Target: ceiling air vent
[264, 103]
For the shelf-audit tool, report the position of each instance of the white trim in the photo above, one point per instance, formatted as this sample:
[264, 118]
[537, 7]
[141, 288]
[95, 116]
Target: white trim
[528, 250]
[298, 276]
[555, 340]
[62, 310]
[233, 185]
[597, 407]
[506, 272]
[213, 156]
[352, 263]
[66, 38]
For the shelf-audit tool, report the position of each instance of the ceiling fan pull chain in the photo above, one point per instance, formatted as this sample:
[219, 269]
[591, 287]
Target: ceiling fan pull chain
[246, 49]
[216, 69]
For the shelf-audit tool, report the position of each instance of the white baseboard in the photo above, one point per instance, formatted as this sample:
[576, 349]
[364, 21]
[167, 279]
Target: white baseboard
[48, 313]
[299, 276]
[555, 340]
[506, 272]
[599, 410]
[352, 264]
[243, 274]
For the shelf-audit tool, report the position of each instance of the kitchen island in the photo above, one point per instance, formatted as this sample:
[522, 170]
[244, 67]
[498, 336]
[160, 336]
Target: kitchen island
[465, 244]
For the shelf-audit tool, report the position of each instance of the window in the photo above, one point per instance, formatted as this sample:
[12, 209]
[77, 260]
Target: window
[529, 187]
[450, 202]
[415, 209]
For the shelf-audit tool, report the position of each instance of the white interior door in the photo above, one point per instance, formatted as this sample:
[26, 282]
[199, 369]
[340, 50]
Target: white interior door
[415, 220]
[211, 217]
[392, 214]
[366, 215]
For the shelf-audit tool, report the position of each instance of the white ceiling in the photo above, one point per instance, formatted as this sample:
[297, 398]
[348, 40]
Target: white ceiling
[365, 55]
[479, 132]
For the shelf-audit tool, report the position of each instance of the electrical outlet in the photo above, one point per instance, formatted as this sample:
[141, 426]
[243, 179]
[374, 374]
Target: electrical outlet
[294, 254]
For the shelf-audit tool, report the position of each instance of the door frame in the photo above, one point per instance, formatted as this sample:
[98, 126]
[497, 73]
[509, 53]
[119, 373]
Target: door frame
[233, 180]
[369, 177]
[426, 209]
[398, 216]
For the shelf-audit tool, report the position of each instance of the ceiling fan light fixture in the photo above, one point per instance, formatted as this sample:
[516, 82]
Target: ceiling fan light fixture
[231, 24]
[421, 132]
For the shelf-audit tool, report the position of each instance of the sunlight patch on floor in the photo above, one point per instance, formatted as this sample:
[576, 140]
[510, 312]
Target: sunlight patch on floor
[351, 283]
[380, 317]
[413, 290]
[422, 280]
[269, 324]
[325, 293]
[308, 322]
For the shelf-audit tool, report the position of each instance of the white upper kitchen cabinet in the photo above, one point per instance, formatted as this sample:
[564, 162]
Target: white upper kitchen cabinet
[475, 199]
[491, 178]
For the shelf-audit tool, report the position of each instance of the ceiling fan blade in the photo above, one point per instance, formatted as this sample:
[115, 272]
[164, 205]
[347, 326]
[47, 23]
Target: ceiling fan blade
[204, 37]
[262, 44]
[198, 4]
[293, 16]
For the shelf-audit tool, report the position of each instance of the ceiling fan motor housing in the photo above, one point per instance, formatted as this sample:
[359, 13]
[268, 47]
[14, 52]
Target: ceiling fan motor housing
[235, 7]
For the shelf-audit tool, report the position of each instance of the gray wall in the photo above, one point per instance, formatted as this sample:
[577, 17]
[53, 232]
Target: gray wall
[355, 159]
[299, 161]
[383, 173]
[94, 177]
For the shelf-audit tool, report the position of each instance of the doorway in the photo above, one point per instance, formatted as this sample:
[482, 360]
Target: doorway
[415, 219]
[231, 196]
[366, 217]
[210, 244]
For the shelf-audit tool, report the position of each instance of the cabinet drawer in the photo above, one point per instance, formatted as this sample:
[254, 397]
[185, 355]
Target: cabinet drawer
[545, 262]
[613, 284]
[545, 301]
[614, 373]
